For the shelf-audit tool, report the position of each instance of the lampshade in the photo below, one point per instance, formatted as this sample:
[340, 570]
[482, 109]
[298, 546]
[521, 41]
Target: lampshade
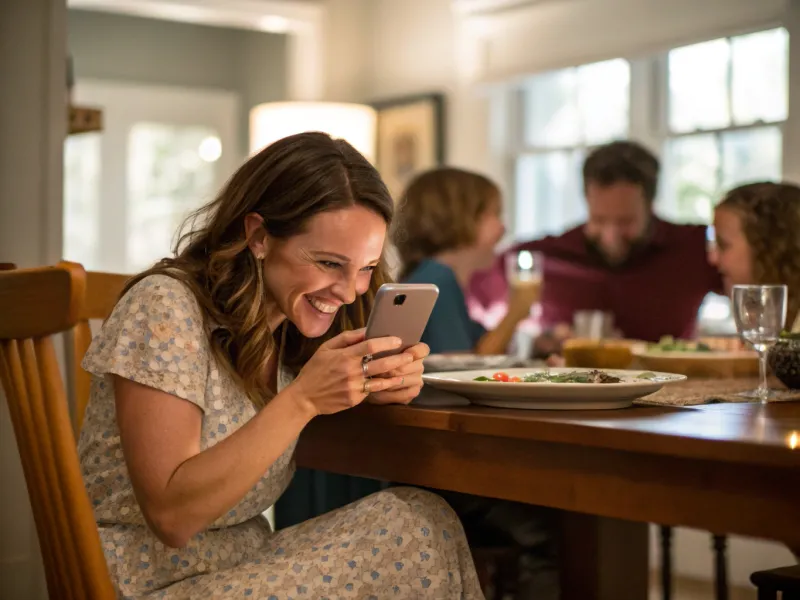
[355, 123]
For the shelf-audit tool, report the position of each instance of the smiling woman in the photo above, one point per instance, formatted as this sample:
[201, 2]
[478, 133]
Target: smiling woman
[213, 362]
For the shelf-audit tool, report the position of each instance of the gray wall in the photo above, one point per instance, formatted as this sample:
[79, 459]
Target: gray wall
[134, 49]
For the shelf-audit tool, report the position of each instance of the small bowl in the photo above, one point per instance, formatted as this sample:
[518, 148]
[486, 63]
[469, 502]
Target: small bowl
[784, 360]
[599, 354]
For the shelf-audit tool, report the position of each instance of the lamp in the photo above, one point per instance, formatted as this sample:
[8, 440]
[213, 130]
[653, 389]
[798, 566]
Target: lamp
[355, 123]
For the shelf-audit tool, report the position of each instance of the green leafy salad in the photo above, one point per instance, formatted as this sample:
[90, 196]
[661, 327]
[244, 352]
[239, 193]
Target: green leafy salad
[670, 344]
[593, 376]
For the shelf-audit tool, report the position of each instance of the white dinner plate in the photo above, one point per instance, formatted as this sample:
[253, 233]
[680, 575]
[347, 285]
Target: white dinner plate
[551, 396]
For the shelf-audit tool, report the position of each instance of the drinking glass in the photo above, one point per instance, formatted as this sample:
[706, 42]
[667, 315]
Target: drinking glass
[524, 268]
[593, 324]
[760, 314]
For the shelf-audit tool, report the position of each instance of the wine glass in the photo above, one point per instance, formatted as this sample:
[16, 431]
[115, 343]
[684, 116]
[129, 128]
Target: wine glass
[760, 314]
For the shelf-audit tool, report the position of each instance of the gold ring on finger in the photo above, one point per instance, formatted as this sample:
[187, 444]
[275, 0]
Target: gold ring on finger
[366, 386]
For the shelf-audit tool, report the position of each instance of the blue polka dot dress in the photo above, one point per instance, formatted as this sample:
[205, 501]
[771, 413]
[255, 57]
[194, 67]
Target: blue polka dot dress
[400, 543]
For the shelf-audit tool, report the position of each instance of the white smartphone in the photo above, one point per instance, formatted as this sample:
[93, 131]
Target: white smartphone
[401, 310]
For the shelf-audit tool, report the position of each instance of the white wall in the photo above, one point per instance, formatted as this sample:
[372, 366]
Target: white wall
[251, 64]
[414, 46]
[33, 125]
[346, 49]
[408, 47]
[558, 33]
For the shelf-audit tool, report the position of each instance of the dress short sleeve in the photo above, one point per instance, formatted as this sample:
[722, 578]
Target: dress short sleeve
[155, 336]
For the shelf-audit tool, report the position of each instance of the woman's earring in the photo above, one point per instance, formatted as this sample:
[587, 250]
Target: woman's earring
[260, 256]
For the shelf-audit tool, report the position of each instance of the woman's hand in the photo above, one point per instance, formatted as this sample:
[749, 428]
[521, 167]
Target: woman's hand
[336, 378]
[411, 379]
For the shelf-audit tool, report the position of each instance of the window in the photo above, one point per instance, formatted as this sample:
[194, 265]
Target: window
[163, 152]
[563, 114]
[727, 100]
[171, 171]
[715, 109]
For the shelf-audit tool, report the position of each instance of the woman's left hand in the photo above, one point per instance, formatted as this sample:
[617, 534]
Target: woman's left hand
[412, 379]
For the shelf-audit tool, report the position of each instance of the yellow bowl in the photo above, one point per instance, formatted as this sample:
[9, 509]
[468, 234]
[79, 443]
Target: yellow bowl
[599, 354]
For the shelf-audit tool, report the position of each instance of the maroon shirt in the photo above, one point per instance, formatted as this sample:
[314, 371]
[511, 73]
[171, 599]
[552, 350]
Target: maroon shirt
[656, 292]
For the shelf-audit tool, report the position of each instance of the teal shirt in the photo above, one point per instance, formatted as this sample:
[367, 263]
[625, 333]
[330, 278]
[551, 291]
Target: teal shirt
[450, 328]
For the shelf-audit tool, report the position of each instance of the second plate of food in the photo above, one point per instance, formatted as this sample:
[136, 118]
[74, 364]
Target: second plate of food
[698, 359]
[552, 389]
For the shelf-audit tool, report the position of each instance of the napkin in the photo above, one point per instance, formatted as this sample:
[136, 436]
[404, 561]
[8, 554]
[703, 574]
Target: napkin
[714, 391]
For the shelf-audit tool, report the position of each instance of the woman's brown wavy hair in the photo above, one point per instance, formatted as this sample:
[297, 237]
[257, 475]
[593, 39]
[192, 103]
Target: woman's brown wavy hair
[440, 211]
[770, 214]
[286, 183]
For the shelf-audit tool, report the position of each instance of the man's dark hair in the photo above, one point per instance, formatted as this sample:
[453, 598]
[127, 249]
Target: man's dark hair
[622, 161]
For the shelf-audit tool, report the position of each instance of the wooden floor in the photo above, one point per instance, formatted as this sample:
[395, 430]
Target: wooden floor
[693, 589]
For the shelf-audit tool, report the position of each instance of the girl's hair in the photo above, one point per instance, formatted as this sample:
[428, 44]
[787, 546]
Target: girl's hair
[439, 211]
[286, 183]
[770, 214]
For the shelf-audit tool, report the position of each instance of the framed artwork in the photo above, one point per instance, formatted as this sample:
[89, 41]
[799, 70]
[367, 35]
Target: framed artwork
[410, 138]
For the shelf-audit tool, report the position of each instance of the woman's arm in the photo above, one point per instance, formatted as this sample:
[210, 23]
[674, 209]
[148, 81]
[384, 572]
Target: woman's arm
[180, 489]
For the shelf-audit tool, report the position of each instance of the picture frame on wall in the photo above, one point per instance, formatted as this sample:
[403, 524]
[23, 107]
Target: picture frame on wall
[410, 138]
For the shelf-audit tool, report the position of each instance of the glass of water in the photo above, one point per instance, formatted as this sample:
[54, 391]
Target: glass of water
[760, 314]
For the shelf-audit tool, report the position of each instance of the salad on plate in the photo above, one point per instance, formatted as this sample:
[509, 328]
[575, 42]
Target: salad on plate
[577, 376]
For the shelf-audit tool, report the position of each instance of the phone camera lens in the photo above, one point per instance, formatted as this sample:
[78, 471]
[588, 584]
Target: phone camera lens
[399, 299]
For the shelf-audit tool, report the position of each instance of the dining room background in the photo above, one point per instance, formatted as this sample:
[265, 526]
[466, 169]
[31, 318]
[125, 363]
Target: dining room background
[529, 87]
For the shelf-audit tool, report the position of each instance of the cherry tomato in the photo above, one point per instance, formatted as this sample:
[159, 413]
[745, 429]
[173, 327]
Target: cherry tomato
[514, 379]
[500, 376]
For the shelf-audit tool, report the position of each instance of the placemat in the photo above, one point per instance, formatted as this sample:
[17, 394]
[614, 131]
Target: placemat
[714, 391]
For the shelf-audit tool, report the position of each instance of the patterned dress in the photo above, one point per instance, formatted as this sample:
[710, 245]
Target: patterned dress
[400, 543]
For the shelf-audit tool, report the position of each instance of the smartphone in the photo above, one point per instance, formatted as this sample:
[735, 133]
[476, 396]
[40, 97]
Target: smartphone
[401, 310]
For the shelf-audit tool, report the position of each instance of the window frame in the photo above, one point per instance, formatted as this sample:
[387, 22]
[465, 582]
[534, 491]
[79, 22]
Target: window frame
[660, 77]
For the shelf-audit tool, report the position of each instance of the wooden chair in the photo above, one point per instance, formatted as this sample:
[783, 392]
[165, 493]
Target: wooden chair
[719, 543]
[35, 304]
[785, 580]
[102, 292]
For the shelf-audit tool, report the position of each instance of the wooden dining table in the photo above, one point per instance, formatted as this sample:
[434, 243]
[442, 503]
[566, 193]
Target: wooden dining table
[724, 468]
